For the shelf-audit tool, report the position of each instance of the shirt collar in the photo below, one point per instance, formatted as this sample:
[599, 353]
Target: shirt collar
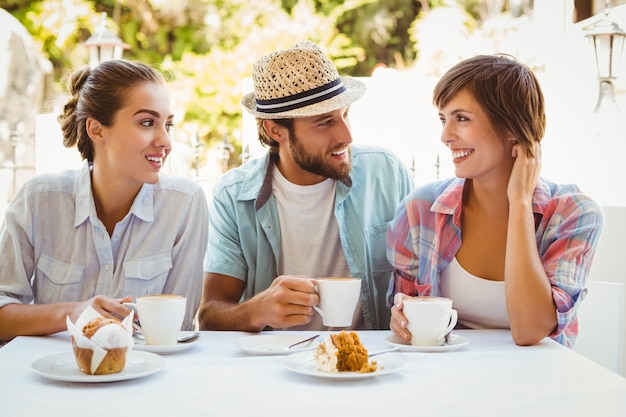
[265, 187]
[450, 198]
[143, 205]
[83, 197]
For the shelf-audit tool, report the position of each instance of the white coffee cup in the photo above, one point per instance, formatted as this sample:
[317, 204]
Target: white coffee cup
[430, 319]
[338, 300]
[161, 317]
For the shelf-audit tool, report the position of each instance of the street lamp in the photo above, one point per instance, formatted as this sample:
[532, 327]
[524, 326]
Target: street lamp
[104, 45]
[607, 39]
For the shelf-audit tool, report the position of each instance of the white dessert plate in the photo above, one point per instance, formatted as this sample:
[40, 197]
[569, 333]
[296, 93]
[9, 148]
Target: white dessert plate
[140, 344]
[270, 344]
[302, 363]
[454, 342]
[63, 367]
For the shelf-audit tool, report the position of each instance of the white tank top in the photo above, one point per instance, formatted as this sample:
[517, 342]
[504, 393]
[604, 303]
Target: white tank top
[480, 302]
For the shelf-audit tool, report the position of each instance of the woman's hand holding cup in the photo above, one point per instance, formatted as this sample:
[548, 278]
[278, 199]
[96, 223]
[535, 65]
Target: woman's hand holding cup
[424, 321]
[398, 322]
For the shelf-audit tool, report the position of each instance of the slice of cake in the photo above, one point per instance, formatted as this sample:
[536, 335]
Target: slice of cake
[342, 352]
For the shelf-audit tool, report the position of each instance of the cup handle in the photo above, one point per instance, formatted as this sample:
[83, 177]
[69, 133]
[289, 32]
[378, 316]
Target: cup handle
[319, 310]
[453, 319]
[133, 306]
[316, 308]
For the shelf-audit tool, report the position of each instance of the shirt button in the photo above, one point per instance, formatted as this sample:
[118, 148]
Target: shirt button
[107, 267]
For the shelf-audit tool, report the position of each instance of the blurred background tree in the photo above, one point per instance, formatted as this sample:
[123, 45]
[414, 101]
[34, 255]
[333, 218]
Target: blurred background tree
[207, 47]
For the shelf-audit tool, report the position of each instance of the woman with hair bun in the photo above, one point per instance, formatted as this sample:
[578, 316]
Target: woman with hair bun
[115, 229]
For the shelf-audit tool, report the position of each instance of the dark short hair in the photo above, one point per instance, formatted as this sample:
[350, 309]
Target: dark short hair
[507, 91]
[264, 136]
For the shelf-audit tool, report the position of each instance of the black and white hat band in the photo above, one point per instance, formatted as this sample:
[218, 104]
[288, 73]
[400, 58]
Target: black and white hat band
[303, 99]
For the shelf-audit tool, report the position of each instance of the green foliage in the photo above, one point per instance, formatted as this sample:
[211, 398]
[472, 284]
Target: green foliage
[472, 7]
[15, 5]
[382, 28]
[58, 28]
[208, 46]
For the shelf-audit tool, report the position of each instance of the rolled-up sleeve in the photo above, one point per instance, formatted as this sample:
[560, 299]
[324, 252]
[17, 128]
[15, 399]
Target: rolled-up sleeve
[568, 243]
[400, 254]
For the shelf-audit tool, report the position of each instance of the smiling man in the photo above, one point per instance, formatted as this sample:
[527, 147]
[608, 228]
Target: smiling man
[315, 206]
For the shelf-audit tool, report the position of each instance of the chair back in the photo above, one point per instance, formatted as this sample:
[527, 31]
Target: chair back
[600, 324]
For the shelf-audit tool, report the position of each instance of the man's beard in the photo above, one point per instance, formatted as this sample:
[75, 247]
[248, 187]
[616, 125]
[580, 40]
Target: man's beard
[318, 164]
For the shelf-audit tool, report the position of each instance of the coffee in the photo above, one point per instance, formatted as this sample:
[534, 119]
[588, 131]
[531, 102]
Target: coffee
[157, 297]
[338, 279]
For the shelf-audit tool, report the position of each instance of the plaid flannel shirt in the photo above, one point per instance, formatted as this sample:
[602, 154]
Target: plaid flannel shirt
[425, 236]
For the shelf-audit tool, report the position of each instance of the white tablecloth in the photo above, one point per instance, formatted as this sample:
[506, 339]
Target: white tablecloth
[490, 376]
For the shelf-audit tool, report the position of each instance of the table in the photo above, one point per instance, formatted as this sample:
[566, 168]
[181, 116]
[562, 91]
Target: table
[490, 376]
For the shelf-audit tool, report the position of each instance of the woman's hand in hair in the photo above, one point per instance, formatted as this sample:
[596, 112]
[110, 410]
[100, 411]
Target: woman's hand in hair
[525, 174]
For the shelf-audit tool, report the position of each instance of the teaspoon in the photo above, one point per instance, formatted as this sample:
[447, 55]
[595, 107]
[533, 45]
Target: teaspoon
[308, 339]
[380, 352]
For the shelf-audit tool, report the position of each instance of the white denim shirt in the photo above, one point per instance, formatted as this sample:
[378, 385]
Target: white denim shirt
[54, 248]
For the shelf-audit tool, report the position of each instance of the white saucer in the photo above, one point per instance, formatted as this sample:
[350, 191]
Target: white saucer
[454, 342]
[271, 344]
[302, 363]
[140, 344]
[63, 367]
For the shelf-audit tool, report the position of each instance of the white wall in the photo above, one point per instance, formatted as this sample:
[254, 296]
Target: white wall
[50, 153]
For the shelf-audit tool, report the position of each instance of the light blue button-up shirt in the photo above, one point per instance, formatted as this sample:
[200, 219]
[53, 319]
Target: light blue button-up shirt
[54, 248]
[244, 235]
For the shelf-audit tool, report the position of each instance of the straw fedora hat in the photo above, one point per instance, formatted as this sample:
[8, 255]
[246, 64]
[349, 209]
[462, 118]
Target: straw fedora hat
[298, 82]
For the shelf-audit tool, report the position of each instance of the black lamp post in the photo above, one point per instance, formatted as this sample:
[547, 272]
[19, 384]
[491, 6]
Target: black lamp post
[104, 45]
[607, 39]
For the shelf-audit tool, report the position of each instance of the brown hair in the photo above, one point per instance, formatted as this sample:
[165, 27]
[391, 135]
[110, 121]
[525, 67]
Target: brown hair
[264, 136]
[507, 91]
[99, 93]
